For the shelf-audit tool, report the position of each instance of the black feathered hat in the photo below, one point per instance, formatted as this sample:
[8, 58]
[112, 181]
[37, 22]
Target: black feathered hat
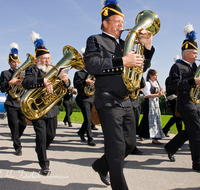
[110, 8]
[190, 41]
[13, 55]
[40, 48]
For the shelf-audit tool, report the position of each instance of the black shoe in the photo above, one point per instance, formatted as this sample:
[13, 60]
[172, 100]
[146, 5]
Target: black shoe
[104, 178]
[18, 152]
[166, 134]
[81, 136]
[196, 167]
[65, 123]
[91, 143]
[136, 151]
[45, 171]
[70, 125]
[170, 156]
[94, 128]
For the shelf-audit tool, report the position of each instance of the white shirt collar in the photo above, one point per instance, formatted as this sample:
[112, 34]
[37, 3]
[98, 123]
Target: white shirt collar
[187, 63]
[85, 70]
[112, 37]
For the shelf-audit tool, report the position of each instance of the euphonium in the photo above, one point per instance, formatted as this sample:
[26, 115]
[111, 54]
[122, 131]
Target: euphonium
[89, 90]
[151, 22]
[17, 91]
[37, 102]
[194, 92]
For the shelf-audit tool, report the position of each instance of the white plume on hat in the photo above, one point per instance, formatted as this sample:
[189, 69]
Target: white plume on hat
[14, 45]
[82, 50]
[102, 2]
[188, 28]
[34, 36]
[176, 58]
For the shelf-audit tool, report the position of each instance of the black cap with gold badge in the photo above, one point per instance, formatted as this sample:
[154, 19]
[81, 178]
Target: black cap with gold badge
[190, 41]
[13, 55]
[110, 8]
[40, 48]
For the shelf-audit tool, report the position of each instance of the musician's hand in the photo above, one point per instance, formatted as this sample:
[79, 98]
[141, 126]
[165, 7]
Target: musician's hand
[145, 38]
[132, 59]
[160, 93]
[22, 75]
[48, 85]
[89, 82]
[64, 77]
[14, 81]
[197, 81]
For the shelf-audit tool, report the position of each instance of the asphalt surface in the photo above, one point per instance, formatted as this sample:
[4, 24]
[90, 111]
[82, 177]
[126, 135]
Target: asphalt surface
[71, 160]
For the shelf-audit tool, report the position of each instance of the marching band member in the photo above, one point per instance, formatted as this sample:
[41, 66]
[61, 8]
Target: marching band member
[85, 103]
[182, 80]
[104, 59]
[16, 119]
[68, 104]
[45, 127]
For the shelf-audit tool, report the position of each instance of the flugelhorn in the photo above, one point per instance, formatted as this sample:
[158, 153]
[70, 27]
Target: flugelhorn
[89, 90]
[194, 92]
[37, 102]
[16, 91]
[150, 21]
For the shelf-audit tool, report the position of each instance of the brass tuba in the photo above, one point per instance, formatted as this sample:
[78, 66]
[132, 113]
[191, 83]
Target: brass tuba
[194, 92]
[17, 91]
[89, 90]
[37, 102]
[133, 75]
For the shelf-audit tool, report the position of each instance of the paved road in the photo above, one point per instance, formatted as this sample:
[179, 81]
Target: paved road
[71, 159]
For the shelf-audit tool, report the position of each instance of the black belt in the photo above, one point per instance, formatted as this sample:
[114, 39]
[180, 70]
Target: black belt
[113, 95]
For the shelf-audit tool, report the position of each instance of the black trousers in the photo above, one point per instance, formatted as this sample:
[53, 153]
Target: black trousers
[173, 119]
[68, 109]
[17, 124]
[119, 139]
[45, 132]
[86, 125]
[191, 133]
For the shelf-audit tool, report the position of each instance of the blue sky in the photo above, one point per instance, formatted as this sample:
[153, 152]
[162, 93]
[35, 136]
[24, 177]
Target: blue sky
[71, 22]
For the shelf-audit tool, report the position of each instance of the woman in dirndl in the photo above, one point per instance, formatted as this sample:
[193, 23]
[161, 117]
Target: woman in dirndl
[150, 125]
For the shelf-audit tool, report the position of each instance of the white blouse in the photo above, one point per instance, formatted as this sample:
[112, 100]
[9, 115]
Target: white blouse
[146, 89]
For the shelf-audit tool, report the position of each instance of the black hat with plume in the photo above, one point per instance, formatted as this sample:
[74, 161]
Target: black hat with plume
[13, 55]
[190, 41]
[110, 8]
[40, 48]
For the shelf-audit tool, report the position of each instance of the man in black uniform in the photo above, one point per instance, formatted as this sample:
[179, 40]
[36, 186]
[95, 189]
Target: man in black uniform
[104, 59]
[16, 119]
[68, 104]
[45, 127]
[172, 104]
[85, 103]
[182, 79]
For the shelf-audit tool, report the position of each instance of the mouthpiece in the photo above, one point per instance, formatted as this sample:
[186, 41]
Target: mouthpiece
[197, 59]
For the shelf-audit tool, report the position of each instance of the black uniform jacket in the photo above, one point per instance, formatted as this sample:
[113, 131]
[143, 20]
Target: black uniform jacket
[69, 95]
[34, 78]
[103, 59]
[182, 80]
[79, 84]
[6, 76]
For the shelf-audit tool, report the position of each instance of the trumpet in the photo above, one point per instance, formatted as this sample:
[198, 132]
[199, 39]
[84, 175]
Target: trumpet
[197, 59]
